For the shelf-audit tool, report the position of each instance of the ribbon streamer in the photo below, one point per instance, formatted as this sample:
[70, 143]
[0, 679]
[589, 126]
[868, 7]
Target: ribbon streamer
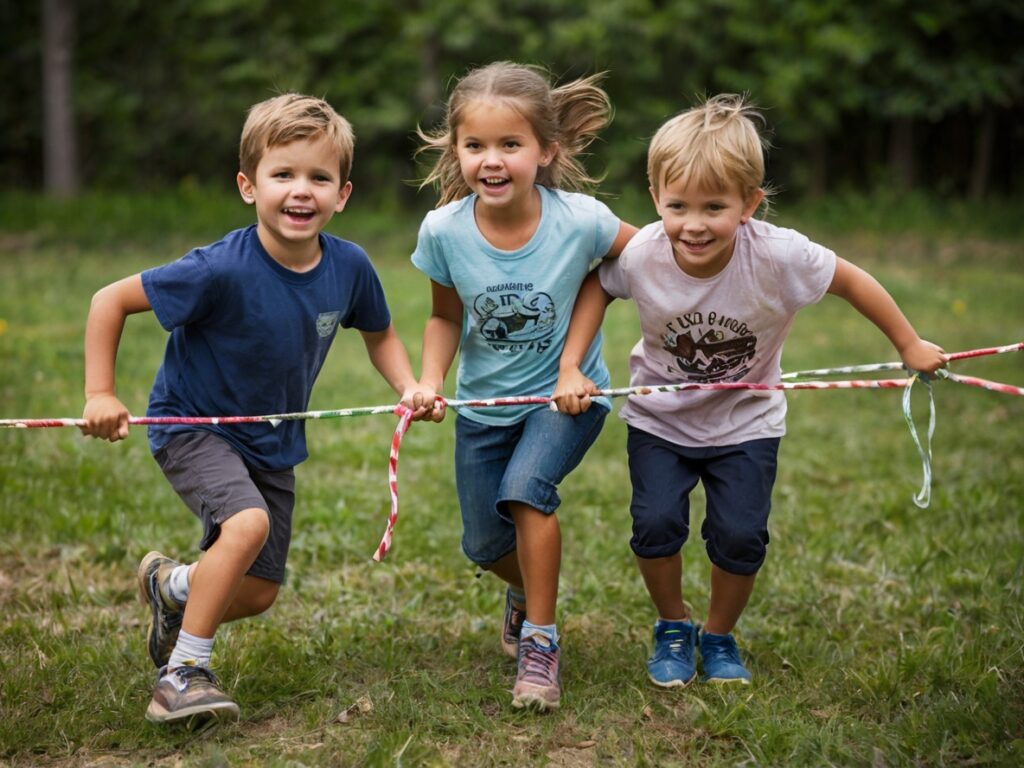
[404, 419]
[921, 499]
[898, 366]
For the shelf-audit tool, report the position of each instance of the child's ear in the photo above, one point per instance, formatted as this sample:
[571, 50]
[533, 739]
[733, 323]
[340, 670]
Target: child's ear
[753, 201]
[245, 188]
[343, 195]
[549, 154]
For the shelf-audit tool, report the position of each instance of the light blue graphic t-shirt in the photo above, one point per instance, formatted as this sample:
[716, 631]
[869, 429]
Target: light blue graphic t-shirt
[517, 303]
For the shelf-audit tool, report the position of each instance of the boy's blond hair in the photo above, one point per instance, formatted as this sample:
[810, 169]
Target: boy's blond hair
[290, 117]
[717, 144]
[572, 115]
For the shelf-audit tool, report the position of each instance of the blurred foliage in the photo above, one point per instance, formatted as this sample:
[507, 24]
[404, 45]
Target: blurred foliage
[161, 89]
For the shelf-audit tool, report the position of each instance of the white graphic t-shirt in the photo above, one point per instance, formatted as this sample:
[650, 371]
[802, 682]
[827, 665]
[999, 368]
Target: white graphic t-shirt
[726, 328]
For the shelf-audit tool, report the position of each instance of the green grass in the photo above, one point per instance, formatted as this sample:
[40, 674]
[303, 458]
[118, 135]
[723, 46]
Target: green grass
[879, 633]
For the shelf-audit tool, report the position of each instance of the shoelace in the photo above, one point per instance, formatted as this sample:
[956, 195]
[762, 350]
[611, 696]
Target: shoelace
[538, 663]
[677, 643]
[186, 674]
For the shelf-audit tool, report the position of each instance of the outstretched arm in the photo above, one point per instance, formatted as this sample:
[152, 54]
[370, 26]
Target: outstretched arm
[106, 416]
[389, 356]
[440, 343]
[869, 298]
[573, 390]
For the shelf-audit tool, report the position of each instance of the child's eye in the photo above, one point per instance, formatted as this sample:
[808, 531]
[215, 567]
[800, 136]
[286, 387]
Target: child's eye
[511, 144]
[471, 145]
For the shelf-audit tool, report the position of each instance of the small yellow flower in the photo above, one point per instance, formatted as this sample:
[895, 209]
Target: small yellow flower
[3, 326]
[959, 307]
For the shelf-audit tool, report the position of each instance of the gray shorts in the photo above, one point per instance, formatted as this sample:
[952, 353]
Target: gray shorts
[216, 483]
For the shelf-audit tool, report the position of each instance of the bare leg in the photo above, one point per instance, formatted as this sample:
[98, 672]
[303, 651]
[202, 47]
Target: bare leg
[221, 571]
[729, 595]
[664, 579]
[539, 548]
[507, 569]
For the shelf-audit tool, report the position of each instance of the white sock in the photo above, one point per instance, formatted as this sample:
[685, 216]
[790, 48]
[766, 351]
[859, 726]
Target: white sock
[546, 633]
[177, 585]
[191, 650]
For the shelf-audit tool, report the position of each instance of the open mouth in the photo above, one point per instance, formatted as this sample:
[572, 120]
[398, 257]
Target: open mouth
[299, 214]
[495, 182]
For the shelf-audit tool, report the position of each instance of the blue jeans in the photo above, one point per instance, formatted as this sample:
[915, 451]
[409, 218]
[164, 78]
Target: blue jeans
[522, 462]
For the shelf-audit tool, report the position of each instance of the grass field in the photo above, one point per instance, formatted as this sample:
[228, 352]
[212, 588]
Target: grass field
[879, 634]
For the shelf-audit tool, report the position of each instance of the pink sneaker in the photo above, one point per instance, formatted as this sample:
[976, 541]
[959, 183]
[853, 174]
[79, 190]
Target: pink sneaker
[538, 681]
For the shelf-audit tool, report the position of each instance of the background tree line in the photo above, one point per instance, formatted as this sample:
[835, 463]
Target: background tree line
[887, 93]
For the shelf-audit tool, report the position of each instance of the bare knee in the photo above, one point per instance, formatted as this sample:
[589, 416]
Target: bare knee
[247, 529]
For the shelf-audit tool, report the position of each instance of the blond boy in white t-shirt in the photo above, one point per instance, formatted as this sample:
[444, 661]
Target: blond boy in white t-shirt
[716, 291]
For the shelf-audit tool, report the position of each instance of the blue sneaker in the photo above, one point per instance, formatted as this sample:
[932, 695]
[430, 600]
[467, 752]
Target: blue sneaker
[671, 665]
[721, 659]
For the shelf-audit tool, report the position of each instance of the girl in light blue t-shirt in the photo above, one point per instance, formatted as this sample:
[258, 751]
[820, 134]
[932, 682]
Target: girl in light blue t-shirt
[506, 252]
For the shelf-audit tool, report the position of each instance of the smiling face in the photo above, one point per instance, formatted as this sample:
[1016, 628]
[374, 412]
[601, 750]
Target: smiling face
[296, 190]
[499, 154]
[701, 223]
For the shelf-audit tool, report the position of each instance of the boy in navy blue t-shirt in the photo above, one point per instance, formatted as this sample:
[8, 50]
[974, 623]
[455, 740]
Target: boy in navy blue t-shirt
[251, 319]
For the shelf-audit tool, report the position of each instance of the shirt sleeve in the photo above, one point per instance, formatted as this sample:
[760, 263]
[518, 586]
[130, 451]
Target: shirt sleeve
[369, 311]
[182, 291]
[808, 269]
[607, 224]
[614, 275]
[429, 255]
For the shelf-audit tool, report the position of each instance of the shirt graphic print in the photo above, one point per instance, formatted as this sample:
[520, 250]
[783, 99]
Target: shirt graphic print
[513, 317]
[709, 347]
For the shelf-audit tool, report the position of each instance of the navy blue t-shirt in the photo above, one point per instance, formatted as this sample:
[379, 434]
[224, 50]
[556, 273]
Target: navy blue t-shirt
[248, 337]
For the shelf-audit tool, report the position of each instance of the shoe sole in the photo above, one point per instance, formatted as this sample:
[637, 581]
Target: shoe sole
[726, 680]
[534, 702]
[509, 649]
[672, 683]
[195, 716]
[143, 576]
[154, 612]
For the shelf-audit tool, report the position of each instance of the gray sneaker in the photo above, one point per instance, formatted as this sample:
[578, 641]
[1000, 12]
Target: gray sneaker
[511, 627]
[190, 696]
[166, 612]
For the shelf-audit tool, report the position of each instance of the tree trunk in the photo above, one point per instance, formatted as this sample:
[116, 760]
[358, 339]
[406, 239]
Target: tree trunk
[60, 160]
[901, 153]
[981, 161]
